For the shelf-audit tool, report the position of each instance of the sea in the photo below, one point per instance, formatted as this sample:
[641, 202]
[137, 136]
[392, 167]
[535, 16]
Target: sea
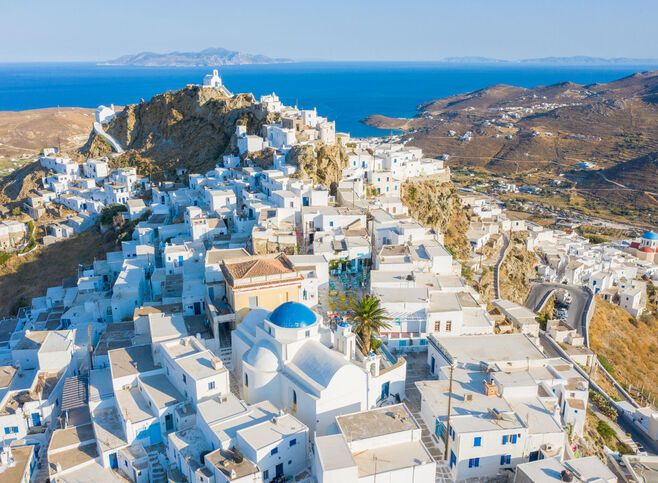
[346, 92]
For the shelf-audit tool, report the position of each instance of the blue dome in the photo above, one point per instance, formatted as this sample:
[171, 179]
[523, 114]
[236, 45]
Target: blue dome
[650, 235]
[292, 315]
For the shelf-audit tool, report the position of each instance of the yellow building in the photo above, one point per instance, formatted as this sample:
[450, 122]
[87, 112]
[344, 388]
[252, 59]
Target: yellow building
[264, 281]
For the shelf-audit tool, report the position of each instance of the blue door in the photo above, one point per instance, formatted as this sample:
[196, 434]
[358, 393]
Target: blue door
[155, 434]
[114, 464]
[385, 389]
[36, 419]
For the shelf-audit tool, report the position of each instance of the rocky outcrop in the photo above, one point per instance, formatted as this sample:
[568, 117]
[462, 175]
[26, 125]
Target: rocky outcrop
[319, 162]
[436, 204]
[190, 128]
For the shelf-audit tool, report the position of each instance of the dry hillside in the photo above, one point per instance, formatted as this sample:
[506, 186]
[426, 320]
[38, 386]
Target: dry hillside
[22, 278]
[550, 130]
[629, 346]
[28, 132]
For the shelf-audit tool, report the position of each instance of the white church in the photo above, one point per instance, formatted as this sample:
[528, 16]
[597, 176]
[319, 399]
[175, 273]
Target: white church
[214, 81]
[291, 358]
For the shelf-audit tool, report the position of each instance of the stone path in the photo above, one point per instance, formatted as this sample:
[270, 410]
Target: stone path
[417, 370]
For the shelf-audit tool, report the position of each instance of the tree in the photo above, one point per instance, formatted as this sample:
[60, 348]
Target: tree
[369, 319]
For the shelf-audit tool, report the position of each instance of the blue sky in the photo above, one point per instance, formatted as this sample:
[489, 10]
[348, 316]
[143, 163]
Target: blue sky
[72, 30]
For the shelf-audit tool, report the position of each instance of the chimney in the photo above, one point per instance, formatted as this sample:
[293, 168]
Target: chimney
[217, 364]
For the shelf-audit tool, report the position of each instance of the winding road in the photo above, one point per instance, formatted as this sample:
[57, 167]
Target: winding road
[578, 314]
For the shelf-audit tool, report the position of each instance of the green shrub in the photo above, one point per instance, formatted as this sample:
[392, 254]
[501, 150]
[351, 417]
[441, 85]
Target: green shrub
[605, 430]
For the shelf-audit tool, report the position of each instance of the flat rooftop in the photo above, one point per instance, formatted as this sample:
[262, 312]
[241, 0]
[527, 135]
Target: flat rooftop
[71, 436]
[473, 349]
[132, 405]
[376, 422]
[549, 470]
[390, 458]
[161, 391]
[109, 428]
[22, 456]
[129, 361]
[270, 432]
[227, 462]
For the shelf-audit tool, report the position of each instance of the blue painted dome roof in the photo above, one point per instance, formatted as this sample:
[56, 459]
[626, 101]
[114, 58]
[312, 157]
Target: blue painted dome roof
[292, 315]
[650, 235]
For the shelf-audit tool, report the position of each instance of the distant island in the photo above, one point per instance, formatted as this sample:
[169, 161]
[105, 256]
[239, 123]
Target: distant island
[574, 60]
[211, 57]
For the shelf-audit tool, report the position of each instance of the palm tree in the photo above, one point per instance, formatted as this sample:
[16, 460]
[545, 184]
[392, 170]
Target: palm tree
[369, 319]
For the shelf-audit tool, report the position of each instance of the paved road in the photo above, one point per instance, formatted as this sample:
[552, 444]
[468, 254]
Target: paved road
[499, 263]
[579, 303]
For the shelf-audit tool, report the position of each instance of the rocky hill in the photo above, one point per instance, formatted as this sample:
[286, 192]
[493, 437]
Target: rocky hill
[212, 57]
[550, 127]
[437, 205]
[191, 127]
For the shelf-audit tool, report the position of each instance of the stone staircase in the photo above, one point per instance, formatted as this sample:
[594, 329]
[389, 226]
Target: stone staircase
[158, 474]
[75, 393]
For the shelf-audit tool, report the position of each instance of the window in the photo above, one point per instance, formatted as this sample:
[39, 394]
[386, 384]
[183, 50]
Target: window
[266, 475]
[505, 459]
[253, 302]
[184, 378]
[474, 462]
[437, 326]
[246, 380]
[453, 459]
[448, 325]
[505, 439]
[211, 385]
[477, 441]
[293, 442]
[274, 451]
[308, 333]
[513, 439]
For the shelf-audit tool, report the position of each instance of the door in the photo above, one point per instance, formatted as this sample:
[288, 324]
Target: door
[36, 419]
[279, 469]
[385, 390]
[432, 365]
[197, 308]
[169, 423]
[114, 464]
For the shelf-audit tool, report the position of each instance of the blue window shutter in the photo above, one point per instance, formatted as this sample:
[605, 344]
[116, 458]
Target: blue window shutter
[477, 462]
[505, 439]
[477, 441]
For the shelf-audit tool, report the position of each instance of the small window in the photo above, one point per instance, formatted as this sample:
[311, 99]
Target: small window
[474, 462]
[513, 439]
[293, 442]
[505, 439]
[266, 475]
[184, 378]
[274, 451]
[246, 380]
[308, 333]
[477, 441]
[211, 385]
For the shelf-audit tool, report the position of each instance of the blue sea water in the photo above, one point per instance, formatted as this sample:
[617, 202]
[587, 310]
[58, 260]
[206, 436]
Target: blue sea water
[344, 91]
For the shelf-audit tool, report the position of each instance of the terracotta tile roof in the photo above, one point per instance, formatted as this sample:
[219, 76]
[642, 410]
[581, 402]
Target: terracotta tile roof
[257, 266]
